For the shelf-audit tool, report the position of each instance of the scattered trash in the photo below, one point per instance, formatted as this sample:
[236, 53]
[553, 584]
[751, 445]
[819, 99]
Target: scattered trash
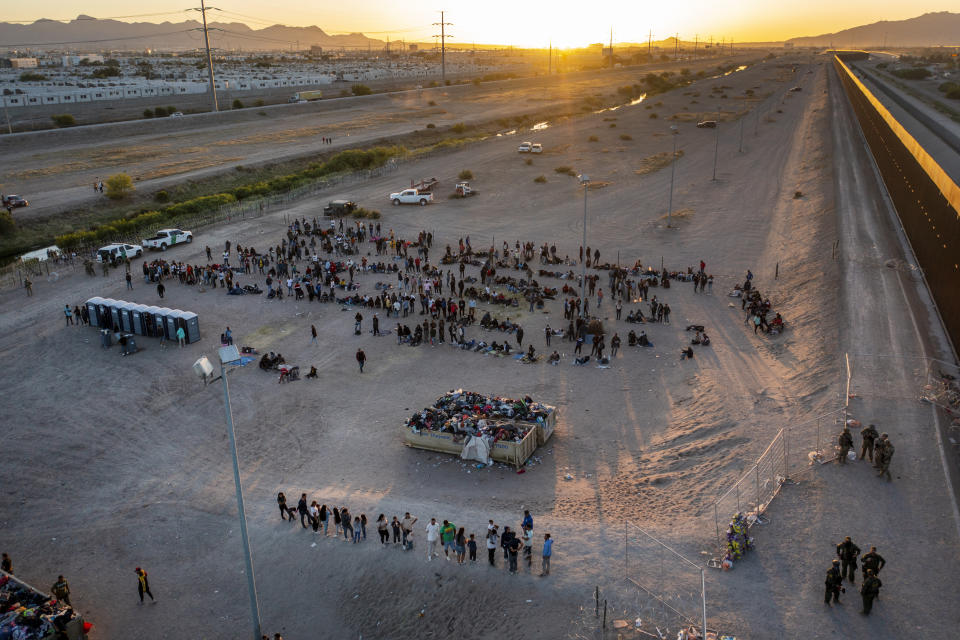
[568, 477]
[314, 544]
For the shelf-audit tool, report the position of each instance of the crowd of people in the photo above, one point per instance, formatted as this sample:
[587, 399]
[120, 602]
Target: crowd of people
[457, 545]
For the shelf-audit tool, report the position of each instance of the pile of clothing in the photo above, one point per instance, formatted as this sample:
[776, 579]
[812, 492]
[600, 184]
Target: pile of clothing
[738, 537]
[467, 413]
[27, 614]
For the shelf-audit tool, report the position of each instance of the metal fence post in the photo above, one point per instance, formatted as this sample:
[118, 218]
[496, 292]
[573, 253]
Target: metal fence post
[756, 470]
[716, 521]
[703, 598]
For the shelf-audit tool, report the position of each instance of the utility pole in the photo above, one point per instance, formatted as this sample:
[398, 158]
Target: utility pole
[206, 41]
[696, 41]
[611, 46]
[650, 44]
[676, 46]
[443, 47]
[550, 59]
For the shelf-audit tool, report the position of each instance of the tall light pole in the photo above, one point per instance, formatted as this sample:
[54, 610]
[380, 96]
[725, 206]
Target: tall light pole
[585, 181]
[229, 355]
[716, 146]
[673, 171]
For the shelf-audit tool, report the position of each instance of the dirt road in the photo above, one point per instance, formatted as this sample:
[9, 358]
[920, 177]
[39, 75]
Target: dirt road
[56, 169]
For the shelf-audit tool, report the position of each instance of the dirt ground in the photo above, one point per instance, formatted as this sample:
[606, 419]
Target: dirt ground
[112, 463]
[55, 170]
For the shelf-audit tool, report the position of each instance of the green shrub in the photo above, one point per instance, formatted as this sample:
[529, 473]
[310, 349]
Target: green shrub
[237, 104]
[593, 139]
[430, 125]
[64, 120]
[148, 113]
[32, 76]
[361, 90]
[432, 103]
[159, 112]
[466, 174]
[613, 125]
[653, 116]
[529, 161]
[566, 170]
[7, 225]
[259, 103]
[161, 196]
[476, 81]
[119, 186]
[916, 73]
[171, 109]
[540, 179]
[954, 94]
[624, 136]
[458, 128]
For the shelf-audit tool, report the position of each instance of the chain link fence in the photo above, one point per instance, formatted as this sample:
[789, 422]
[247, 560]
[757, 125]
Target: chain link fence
[676, 585]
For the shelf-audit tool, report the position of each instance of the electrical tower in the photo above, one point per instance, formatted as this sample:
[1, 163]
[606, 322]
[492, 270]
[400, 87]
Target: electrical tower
[206, 40]
[443, 46]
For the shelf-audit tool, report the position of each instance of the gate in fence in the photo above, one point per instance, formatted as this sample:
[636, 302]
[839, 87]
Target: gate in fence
[678, 584]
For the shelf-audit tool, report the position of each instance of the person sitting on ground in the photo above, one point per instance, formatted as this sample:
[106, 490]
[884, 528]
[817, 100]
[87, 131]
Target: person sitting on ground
[705, 340]
[642, 339]
[776, 325]
[632, 338]
[686, 353]
[313, 372]
[696, 339]
[554, 358]
[531, 352]
[582, 361]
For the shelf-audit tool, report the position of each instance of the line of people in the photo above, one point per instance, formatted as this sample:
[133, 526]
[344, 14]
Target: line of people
[456, 544]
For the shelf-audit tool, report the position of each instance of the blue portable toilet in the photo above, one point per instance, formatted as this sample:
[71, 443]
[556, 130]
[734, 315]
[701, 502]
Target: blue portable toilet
[191, 325]
[125, 311]
[160, 322]
[93, 310]
[137, 321]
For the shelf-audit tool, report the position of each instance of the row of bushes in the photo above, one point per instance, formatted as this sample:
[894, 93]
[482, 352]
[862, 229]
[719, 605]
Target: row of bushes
[345, 161]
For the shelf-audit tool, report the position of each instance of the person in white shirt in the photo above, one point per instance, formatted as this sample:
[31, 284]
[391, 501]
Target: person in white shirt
[492, 536]
[433, 536]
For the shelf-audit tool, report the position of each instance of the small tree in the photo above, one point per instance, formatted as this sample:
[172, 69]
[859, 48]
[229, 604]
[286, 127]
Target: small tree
[64, 120]
[237, 104]
[361, 90]
[148, 113]
[119, 186]
[159, 112]
[7, 224]
[466, 174]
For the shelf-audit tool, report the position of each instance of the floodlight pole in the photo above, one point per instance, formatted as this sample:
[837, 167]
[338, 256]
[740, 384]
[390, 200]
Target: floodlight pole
[716, 146]
[247, 556]
[673, 171]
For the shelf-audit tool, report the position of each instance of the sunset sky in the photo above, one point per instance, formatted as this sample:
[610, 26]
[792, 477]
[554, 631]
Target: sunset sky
[517, 22]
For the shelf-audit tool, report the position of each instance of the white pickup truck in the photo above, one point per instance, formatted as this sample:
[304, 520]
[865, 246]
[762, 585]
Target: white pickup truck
[411, 196]
[167, 238]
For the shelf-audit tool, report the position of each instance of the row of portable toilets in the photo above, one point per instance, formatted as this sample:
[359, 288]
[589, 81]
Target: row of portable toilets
[142, 320]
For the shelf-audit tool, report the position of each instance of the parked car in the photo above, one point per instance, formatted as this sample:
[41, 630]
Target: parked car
[14, 202]
[116, 251]
[176, 114]
[339, 208]
[707, 124]
[167, 238]
[536, 148]
[525, 147]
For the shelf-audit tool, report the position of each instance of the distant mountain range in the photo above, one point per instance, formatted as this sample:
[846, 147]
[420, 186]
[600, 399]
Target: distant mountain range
[89, 34]
[928, 30]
